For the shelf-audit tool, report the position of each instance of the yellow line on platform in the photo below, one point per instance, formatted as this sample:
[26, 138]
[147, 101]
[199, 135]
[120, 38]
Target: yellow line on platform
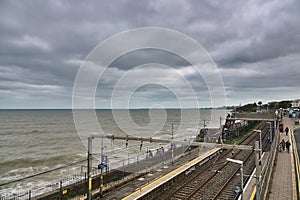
[252, 197]
[156, 182]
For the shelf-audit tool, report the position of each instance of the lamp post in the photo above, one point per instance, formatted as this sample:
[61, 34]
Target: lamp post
[258, 170]
[270, 130]
[260, 142]
[204, 129]
[240, 162]
[172, 131]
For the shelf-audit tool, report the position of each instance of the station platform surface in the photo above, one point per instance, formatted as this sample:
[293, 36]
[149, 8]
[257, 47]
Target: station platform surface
[283, 184]
[141, 191]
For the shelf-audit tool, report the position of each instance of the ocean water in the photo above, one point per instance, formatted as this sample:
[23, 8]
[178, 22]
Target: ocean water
[36, 141]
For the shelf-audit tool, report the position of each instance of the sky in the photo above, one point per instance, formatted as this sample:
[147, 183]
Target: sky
[255, 46]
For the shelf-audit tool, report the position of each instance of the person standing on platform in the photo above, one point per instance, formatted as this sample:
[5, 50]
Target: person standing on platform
[282, 145]
[286, 131]
[150, 154]
[288, 144]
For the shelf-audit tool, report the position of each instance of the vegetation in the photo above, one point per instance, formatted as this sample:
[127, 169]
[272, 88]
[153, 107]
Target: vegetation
[253, 107]
[247, 108]
[281, 104]
[234, 136]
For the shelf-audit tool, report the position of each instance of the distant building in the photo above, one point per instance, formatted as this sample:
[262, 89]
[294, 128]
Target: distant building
[296, 103]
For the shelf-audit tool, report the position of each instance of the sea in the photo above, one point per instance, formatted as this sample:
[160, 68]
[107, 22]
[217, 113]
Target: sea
[41, 149]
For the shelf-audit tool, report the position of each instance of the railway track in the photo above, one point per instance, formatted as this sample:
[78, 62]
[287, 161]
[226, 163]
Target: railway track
[216, 179]
[226, 192]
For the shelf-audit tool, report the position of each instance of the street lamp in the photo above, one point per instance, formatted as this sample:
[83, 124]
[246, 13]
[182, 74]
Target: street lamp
[242, 179]
[260, 142]
[270, 130]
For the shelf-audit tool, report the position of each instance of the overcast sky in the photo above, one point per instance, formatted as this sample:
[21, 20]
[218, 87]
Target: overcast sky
[255, 44]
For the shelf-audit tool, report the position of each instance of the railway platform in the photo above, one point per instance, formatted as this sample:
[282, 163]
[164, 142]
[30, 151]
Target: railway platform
[142, 186]
[183, 168]
[283, 184]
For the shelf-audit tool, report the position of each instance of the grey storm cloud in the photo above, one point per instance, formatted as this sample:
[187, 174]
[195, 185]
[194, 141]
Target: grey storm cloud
[255, 45]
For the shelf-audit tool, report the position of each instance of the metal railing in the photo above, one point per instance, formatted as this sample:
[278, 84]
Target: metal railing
[296, 162]
[62, 186]
[267, 169]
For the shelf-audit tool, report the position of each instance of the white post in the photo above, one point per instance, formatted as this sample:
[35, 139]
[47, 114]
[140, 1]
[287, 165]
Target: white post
[242, 175]
[270, 130]
[257, 170]
[260, 143]
[242, 182]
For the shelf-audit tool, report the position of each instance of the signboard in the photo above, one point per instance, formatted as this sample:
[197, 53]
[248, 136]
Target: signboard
[103, 164]
[205, 131]
[104, 160]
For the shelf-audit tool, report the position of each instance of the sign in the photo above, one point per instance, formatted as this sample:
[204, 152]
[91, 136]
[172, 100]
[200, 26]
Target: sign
[104, 160]
[101, 166]
[205, 131]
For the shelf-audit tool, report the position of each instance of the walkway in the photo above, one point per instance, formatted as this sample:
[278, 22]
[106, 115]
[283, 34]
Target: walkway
[283, 184]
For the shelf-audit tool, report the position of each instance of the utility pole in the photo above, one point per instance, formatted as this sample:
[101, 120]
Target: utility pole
[101, 175]
[257, 161]
[204, 130]
[270, 130]
[221, 134]
[89, 167]
[172, 131]
[172, 145]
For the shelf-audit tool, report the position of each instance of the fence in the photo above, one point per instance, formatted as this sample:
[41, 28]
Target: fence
[296, 161]
[267, 169]
[17, 196]
[76, 184]
[268, 166]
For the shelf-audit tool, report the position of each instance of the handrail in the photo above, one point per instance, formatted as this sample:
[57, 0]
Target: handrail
[266, 166]
[296, 157]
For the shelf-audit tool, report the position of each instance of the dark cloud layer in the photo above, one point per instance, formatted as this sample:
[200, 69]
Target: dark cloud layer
[255, 44]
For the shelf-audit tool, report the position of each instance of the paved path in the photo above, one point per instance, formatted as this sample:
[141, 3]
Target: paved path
[283, 182]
